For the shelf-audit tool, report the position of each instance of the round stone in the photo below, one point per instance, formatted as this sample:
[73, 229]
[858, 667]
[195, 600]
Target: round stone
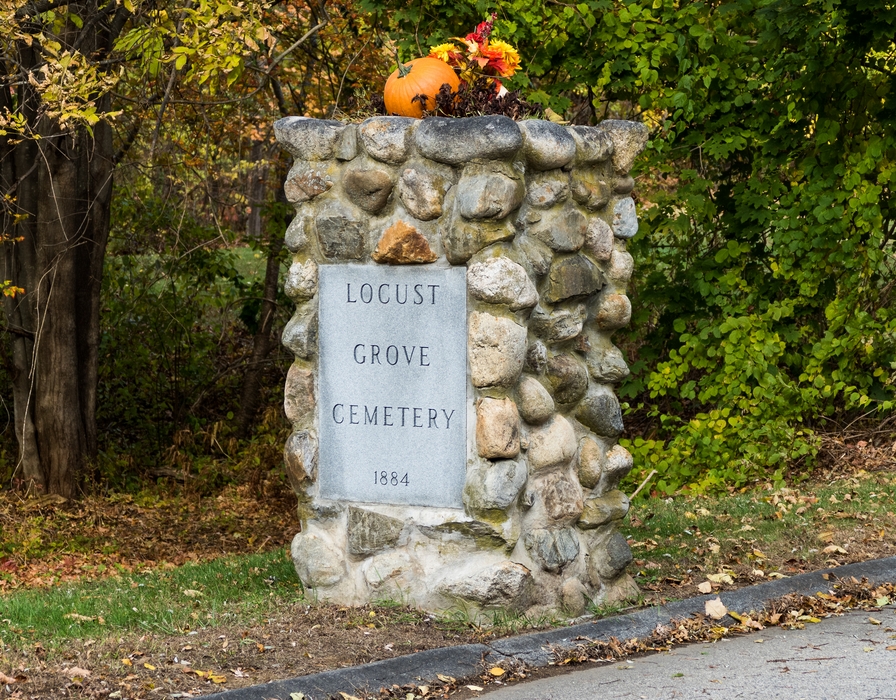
[592, 144]
[368, 188]
[308, 139]
[535, 403]
[494, 486]
[497, 428]
[599, 239]
[546, 145]
[551, 445]
[318, 563]
[544, 190]
[422, 193]
[613, 312]
[621, 267]
[625, 220]
[552, 549]
[591, 461]
[488, 195]
[629, 139]
[386, 138]
[501, 281]
[497, 349]
[459, 141]
[600, 411]
[568, 378]
[298, 394]
[301, 281]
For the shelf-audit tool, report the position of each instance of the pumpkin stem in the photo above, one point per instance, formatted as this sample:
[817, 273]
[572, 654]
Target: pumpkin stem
[403, 70]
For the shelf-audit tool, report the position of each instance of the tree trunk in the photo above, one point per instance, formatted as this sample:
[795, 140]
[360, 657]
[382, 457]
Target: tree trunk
[57, 225]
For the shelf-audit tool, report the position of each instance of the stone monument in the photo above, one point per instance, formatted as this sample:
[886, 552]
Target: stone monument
[457, 283]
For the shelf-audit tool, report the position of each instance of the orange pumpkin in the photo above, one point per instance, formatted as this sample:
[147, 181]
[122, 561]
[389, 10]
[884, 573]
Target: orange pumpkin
[422, 76]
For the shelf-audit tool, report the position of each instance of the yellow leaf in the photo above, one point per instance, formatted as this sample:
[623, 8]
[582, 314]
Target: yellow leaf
[808, 618]
[716, 609]
[217, 679]
[496, 671]
[149, 666]
[873, 621]
[720, 578]
[737, 616]
[127, 662]
[826, 536]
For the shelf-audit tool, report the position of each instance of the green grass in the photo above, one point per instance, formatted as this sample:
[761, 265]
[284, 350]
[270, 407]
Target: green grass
[230, 590]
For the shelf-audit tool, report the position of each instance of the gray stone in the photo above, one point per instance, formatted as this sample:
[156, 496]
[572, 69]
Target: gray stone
[300, 333]
[462, 239]
[488, 194]
[621, 267]
[625, 219]
[308, 139]
[392, 574]
[300, 459]
[387, 138]
[599, 239]
[623, 185]
[347, 145]
[535, 253]
[614, 311]
[546, 145]
[306, 181]
[536, 357]
[459, 141]
[535, 403]
[422, 193]
[368, 187]
[574, 596]
[618, 463]
[568, 378]
[505, 585]
[589, 190]
[610, 561]
[629, 139]
[501, 281]
[544, 190]
[369, 531]
[572, 276]
[497, 428]
[592, 454]
[301, 280]
[611, 507]
[318, 562]
[340, 233]
[561, 497]
[298, 394]
[600, 411]
[392, 384]
[482, 535]
[552, 549]
[562, 229]
[605, 362]
[592, 144]
[298, 231]
[559, 325]
[622, 590]
[497, 348]
[494, 486]
[551, 445]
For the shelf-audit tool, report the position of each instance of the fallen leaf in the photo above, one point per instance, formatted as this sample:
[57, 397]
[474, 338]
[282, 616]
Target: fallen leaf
[776, 574]
[424, 689]
[216, 678]
[5, 680]
[758, 573]
[868, 649]
[346, 696]
[127, 662]
[747, 528]
[833, 549]
[474, 687]
[808, 618]
[297, 696]
[76, 672]
[720, 578]
[192, 593]
[826, 536]
[892, 647]
[716, 609]
[445, 679]
[149, 666]
[882, 601]
[705, 587]
[873, 621]
[496, 671]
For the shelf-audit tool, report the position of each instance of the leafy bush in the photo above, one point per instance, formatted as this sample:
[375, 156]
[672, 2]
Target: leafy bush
[764, 302]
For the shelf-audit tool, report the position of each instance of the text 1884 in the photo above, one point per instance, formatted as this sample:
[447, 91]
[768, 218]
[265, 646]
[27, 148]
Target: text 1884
[384, 478]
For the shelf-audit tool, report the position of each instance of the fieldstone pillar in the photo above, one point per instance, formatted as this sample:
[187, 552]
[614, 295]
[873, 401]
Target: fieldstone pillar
[457, 284]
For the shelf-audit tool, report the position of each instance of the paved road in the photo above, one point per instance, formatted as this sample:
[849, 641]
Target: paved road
[843, 658]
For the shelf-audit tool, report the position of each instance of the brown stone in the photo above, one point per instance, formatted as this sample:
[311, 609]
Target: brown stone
[497, 428]
[615, 311]
[568, 378]
[369, 188]
[562, 498]
[402, 244]
[298, 394]
[591, 461]
[300, 459]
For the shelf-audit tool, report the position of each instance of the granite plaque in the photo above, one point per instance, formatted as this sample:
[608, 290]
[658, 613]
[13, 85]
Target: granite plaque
[393, 384]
